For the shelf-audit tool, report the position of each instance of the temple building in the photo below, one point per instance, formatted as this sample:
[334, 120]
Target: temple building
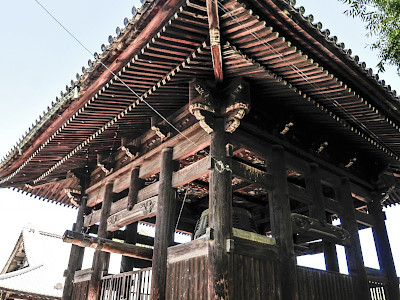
[240, 123]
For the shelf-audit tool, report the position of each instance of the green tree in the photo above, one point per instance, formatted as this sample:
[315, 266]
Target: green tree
[382, 20]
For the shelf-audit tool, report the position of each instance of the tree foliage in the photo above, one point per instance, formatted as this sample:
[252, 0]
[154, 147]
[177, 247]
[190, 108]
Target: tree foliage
[382, 19]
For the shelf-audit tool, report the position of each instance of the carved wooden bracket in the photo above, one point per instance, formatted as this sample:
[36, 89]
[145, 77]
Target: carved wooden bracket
[73, 195]
[310, 226]
[205, 106]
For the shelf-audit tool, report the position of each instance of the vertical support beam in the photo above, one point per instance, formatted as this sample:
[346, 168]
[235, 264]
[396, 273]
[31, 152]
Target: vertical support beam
[354, 257]
[220, 216]
[100, 259]
[317, 211]
[164, 226]
[77, 252]
[383, 250]
[215, 39]
[281, 225]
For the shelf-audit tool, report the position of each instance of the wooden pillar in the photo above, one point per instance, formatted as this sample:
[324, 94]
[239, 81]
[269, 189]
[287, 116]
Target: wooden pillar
[100, 259]
[317, 211]
[77, 252]
[220, 215]
[354, 257]
[383, 250]
[164, 226]
[281, 225]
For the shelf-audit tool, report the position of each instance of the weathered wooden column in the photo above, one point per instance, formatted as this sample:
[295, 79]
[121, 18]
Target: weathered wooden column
[164, 225]
[383, 250]
[77, 253]
[354, 257]
[220, 215]
[317, 211]
[281, 225]
[100, 258]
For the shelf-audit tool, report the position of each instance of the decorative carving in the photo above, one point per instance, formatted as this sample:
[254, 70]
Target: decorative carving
[310, 226]
[204, 107]
[215, 37]
[73, 195]
[128, 152]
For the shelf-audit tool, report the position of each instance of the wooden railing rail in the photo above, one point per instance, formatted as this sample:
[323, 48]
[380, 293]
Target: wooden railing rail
[133, 285]
[377, 289]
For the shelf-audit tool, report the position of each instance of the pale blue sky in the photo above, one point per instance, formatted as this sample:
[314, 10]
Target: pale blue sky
[38, 59]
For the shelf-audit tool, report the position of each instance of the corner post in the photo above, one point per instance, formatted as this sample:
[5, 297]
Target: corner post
[164, 226]
[220, 215]
[281, 225]
[77, 252]
[100, 258]
[353, 253]
[383, 250]
[317, 211]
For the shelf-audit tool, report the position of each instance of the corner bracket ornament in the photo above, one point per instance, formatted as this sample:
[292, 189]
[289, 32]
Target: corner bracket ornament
[73, 196]
[235, 103]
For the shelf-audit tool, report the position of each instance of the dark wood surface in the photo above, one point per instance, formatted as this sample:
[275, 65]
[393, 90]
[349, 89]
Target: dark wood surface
[165, 222]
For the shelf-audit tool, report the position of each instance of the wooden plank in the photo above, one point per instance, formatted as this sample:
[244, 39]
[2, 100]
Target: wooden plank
[189, 250]
[141, 210]
[165, 222]
[251, 174]
[82, 275]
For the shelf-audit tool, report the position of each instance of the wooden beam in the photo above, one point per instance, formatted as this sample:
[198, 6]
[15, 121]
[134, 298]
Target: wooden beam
[317, 211]
[140, 211]
[107, 245]
[135, 185]
[251, 174]
[281, 224]
[100, 258]
[220, 216]
[165, 223]
[77, 253]
[353, 253]
[215, 39]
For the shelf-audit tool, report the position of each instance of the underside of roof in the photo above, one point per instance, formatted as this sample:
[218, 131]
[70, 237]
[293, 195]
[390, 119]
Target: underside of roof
[296, 71]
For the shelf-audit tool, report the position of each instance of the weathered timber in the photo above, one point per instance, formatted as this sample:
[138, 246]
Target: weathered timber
[100, 258]
[164, 226]
[189, 250]
[141, 210]
[309, 226]
[150, 162]
[179, 178]
[353, 253]
[135, 185]
[251, 174]
[383, 250]
[317, 211]
[281, 225]
[215, 39]
[107, 245]
[220, 216]
[77, 253]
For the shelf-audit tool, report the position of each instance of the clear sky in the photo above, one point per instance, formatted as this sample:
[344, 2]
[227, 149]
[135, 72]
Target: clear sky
[38, 59]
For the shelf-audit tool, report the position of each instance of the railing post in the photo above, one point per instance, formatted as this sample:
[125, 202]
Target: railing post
[353, 253]
[281, 225]
[164, 225]
[383, 250]
[100, 258]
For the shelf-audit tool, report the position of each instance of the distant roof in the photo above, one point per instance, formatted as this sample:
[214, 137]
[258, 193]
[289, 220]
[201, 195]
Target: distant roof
[36, 265]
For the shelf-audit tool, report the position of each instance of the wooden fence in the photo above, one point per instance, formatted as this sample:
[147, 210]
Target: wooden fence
[134, 285]
[377, 290]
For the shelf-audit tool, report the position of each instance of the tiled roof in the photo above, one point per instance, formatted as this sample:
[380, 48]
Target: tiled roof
[47, 258]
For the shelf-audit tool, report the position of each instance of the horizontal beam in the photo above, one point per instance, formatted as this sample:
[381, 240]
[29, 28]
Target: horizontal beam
[106, 245]
[251, 174]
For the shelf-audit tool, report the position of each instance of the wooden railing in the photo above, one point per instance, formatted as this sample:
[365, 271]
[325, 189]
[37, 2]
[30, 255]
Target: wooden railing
[134, 285]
